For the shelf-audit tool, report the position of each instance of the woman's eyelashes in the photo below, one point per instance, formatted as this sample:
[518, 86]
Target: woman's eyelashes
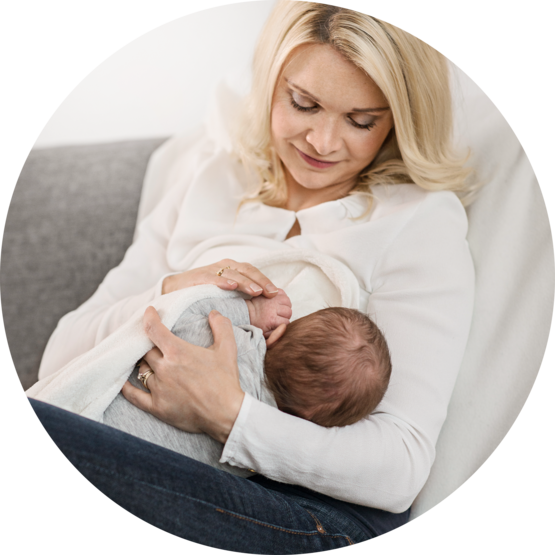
[303, 104]
[367, 126]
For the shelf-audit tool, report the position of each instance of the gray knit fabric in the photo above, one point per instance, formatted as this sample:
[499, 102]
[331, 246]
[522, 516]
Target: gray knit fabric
[193, 327]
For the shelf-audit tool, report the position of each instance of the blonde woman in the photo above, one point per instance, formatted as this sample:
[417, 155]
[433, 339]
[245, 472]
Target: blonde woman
[345, 149]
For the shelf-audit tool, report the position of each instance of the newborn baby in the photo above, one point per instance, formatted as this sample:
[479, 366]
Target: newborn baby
[331, 367]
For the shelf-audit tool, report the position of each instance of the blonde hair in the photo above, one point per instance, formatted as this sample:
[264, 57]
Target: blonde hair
[412, 75]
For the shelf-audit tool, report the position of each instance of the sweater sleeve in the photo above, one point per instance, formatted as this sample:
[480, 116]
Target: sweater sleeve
[127, 288]
[422, 299]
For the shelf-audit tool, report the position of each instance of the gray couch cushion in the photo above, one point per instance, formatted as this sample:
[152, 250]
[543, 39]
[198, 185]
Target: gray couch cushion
[71, 218]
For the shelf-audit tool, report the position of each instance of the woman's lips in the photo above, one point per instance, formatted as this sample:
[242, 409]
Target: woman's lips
[313, 162]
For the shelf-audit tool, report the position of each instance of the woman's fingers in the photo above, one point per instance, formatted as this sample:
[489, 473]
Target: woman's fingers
[159, 334]
[144, 367]
[244, 283]
[226, 274]
[169, 346]
[152, 358]
[252, 280]
[141, 399]
[222, 330]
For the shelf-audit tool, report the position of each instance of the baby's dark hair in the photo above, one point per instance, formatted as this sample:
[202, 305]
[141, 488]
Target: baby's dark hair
[331, 367]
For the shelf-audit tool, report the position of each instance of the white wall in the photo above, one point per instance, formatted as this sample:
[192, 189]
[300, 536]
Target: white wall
[159, 84]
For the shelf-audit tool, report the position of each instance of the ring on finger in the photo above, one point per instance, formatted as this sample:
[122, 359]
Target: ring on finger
[219, 273]
[143, 377]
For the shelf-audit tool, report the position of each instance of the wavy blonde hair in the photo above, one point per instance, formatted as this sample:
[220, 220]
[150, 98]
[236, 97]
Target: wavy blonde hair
[412, 75]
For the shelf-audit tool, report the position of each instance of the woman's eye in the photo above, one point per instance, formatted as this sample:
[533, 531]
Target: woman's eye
[361, 125]
[302, 103]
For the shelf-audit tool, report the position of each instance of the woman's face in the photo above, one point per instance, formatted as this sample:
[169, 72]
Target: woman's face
[329, 120]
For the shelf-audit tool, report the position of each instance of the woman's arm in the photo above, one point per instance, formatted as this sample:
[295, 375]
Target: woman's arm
[422, 299]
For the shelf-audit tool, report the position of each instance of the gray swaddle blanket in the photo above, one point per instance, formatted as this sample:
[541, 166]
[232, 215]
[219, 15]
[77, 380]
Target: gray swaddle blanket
[193, 327]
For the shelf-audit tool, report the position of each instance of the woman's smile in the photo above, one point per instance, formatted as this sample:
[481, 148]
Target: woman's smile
[314, 162]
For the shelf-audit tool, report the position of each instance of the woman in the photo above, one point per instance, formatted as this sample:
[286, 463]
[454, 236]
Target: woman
[348, 147]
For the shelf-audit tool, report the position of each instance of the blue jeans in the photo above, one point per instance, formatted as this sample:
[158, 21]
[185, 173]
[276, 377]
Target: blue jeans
[199, 503]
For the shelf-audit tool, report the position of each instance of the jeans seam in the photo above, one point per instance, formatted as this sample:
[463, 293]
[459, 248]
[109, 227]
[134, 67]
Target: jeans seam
[320, 529]
[241, 517]
[319, 526]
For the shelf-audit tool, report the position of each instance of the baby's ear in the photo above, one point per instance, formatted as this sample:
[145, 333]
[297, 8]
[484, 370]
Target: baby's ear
[275, 336]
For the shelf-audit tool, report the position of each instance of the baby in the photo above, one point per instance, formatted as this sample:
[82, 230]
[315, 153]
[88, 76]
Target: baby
[331, 367]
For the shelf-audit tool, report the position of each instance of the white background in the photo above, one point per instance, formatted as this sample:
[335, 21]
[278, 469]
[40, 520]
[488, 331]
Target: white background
[160, 83]
[157, 85]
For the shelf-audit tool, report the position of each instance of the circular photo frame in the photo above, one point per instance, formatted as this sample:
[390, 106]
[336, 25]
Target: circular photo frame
[83, 188]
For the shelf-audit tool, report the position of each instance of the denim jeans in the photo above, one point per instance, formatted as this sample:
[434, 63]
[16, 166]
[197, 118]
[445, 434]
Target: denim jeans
[199, 503]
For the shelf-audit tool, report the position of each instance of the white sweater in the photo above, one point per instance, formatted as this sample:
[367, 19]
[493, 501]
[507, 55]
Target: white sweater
[416, 277]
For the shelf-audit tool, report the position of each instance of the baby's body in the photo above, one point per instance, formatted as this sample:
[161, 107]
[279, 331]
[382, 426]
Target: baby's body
[318, 371]
[193, 327]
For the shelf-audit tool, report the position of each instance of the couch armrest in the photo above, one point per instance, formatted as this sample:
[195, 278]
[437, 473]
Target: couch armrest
[71, 219]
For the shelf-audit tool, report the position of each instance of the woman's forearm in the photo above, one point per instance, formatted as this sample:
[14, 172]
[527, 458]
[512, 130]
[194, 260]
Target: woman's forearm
[379, 462]
[221, 424]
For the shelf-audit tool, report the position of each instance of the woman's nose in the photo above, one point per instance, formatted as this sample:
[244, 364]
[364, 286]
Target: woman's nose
[324, 136]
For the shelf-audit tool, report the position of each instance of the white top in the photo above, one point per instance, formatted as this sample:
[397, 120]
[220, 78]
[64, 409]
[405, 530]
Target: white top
[415, 273]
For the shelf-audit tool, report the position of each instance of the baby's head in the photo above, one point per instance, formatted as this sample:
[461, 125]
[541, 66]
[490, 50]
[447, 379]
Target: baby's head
[331, 367]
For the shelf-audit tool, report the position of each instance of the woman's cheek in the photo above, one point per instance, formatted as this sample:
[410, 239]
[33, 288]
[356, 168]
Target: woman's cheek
[366, 149]
[284, 124]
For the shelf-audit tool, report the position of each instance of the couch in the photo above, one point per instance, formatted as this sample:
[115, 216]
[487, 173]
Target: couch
[71, 219]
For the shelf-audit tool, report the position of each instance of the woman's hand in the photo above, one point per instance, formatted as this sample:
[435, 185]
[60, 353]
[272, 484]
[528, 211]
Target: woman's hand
[239, 276]
[192, 388]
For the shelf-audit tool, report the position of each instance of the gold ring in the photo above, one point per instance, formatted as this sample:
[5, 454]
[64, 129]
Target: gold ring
[143, 377]
[219, 274]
